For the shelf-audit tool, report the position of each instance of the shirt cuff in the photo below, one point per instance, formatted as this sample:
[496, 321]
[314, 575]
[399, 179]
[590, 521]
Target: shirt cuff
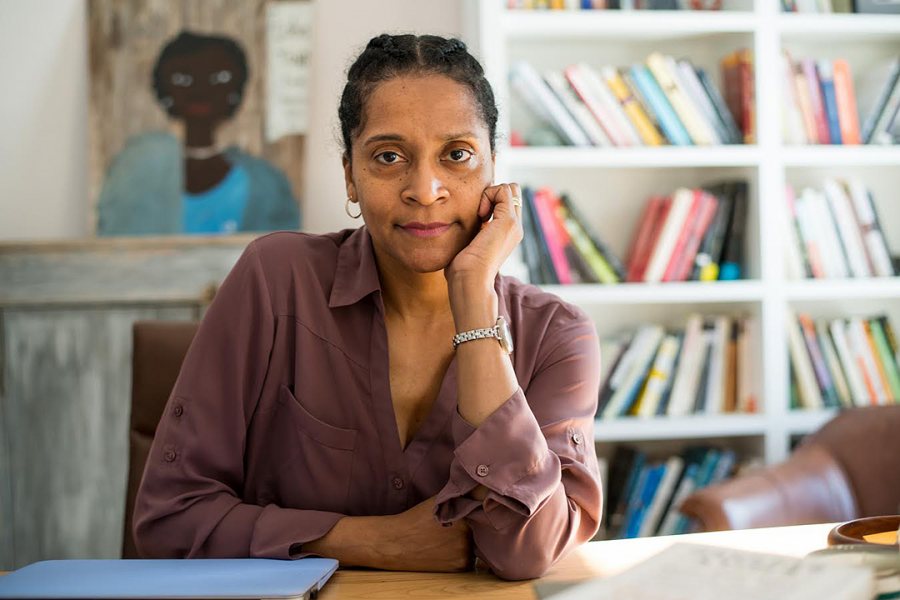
[280, 532]
[508, 455]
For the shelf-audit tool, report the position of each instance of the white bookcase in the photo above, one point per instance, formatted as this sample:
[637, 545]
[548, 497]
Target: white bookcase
[610, 185]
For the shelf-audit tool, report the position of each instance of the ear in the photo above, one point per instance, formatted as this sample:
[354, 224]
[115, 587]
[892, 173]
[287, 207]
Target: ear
[348, 177]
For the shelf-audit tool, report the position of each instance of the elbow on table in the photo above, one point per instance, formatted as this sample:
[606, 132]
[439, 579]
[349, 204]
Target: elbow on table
[150, 542]
[519, 566]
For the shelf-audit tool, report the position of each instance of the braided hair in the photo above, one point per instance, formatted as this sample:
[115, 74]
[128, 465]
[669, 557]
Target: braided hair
[388, 56]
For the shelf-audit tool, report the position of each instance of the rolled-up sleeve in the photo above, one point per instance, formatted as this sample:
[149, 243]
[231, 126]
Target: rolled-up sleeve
[189, 502]
[535, 455]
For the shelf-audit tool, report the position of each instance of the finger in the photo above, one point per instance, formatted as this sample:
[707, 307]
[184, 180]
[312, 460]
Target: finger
[517, 198]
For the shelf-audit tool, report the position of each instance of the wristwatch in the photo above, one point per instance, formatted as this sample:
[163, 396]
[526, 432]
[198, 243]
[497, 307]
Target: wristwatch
[500, 331]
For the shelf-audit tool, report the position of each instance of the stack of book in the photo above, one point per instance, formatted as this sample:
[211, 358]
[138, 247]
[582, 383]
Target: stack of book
[658, 102]
[643, 496]
[690, 235]
[611, 4]
[835, 233]
[707, 367]
[821, 103]
[843, 362]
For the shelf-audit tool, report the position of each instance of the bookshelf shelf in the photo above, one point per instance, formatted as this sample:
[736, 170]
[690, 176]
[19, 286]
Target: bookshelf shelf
[839, 27]
[665, 428]
[840, 156]
[534, 25]
[606, 182]
[644, 293]
[846, 289]
[639, 157]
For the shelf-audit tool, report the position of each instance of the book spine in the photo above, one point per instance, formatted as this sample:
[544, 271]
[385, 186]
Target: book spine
[850, 238]
[794, 127]
[732, 261]
[818, 101]
[543, 204]
[826, 80]
[612, 107]
[862, 352]
[669, 122]
[685, 383]
[530, 240]
[687, 74]
[605, 251]
[805, 102]
[714, 401]
[710, 253]
[601, 270]
[795, 236]
[804, 205]
[834, 365]
[685, 489]
[671, 473]
[576, 107]
[697, 224]
[881, 131]
[534, 90]
[747, 91]
[725, 116]
[859, 392]
[677, 215]
[880, 367]
[660, 374]
[645, 346]
[880, 103]
[639, 119]
[810, 395]
[823, 376]
[661, 68]
[871, 231]
[886, 357]
[836, 260]
[645, 238]
[845, 98]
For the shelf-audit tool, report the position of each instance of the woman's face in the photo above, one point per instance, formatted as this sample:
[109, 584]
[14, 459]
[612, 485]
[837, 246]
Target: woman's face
[419, 165]
[202, 85]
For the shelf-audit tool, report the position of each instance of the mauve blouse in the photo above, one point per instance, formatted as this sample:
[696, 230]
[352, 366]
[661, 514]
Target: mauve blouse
[281, 420]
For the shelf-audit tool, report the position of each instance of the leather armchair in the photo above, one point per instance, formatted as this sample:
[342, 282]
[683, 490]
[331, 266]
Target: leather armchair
[159, 348]
[848, 469]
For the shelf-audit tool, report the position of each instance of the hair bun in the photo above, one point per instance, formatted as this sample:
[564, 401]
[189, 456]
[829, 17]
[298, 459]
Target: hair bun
[453, 46]
[385, 43]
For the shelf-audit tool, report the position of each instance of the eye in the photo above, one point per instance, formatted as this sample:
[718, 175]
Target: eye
[459, 155]
[388, 158]
[220, 77]
[182, 79]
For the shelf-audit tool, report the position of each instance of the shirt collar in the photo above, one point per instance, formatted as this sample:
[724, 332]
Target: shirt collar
[356, 274]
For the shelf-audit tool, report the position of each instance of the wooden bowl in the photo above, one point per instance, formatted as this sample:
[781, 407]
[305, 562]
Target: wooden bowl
[852, 532]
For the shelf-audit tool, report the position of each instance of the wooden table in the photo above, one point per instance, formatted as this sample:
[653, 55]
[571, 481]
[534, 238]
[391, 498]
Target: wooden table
[592, 560]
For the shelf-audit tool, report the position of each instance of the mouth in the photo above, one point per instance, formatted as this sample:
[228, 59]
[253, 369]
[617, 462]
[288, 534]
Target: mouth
[425, 230]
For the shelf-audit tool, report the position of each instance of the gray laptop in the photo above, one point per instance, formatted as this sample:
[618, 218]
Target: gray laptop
[257, 578]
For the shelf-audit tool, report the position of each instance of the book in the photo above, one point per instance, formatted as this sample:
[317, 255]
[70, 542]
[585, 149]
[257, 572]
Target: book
[803, 96]
[706, 263]
[858, 390]
[676, 217]
[643, 349]
[882, 131]
[714, 401]
[810, 395]
[605, 251]
[748, 346]
[700, 216]
[850, 236]
[873, 235]
[834, 364]
[701, 572]
[798, 266]
[595, 93]
[829, 100]
[697, 94]
[732, 261]
[862, 354]
[623, 460]
[885, 79]
[633, 481]
[614, 375]
[845, 99]
[541, 99]
[834, 254]
[793, 120]
[531, 251]
[880, 367]
[820, 368]
[818, 101]
[703, 383]
[809, 233]
[666, 74]
[639, 119]
[644, 239]
[642, 498]
[687, 375]
[545, 209]
[660, 375]
[669, 122]
[672, 469]
[725, 116]
[885, 357]
[600, 270]
[576, 107]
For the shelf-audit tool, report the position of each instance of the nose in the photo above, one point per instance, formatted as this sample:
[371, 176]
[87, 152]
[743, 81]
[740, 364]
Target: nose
[425, 185]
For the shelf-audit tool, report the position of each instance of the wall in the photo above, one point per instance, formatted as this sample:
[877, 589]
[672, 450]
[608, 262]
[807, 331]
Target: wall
[43, 110]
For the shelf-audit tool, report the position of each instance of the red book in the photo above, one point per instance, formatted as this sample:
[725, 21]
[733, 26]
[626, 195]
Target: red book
[848, 118]
[702, 212]
[650, 225]
[556, 236]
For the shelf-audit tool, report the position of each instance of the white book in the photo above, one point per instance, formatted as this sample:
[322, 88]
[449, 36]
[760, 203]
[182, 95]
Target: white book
[664, 491]
[835, 255]
[876, 246]
[793, 128]
[715, 380]
[662, 69]
[810, 395]
[660, 375]
[700, 572]
[612, 105]
[684, 387]
[858, 391]
[668, 237]
[862, 351]
[526, 80]
[585, 87]
[748, 347]
[686, 487]
[882, 131]
[809, 232]
[793, 248]
[576, 107]
[699, 97]
[645, 343]
[842, 210]
[834, 364]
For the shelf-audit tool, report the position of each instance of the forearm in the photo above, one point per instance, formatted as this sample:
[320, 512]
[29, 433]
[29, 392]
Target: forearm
[358, 542]
[486, 376]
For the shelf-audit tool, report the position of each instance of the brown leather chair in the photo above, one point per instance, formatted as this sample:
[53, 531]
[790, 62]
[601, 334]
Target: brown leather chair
[848, 469]
[159, 348]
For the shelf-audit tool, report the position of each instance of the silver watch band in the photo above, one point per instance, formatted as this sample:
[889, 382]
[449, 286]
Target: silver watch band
[475, 334]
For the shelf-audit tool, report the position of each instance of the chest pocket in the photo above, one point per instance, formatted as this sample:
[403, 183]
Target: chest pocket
[317, 460]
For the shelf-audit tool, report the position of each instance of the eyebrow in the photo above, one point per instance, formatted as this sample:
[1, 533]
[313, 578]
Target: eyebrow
[396, 137]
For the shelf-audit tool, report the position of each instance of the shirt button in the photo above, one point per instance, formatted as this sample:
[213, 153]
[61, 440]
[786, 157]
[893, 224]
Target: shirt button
[482, 470]
[576, 437]
[397, 483]
[169, 455]
[178, 410]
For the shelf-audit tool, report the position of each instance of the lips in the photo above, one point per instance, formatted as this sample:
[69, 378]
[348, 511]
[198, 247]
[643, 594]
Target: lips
[425, 230]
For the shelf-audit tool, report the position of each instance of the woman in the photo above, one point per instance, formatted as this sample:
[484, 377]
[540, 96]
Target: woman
[322, 408]
[156, 186]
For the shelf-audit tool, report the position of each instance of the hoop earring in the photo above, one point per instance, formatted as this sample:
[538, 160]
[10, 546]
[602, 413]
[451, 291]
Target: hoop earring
[347, 209]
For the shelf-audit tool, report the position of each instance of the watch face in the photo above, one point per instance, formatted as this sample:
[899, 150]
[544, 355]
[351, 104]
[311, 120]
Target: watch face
[505, 334]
